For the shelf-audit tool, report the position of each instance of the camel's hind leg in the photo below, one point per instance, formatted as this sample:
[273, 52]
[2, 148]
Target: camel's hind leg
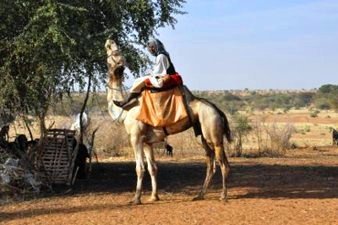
[152, 169]
[214, 127]
[225, 168]
[210, 160]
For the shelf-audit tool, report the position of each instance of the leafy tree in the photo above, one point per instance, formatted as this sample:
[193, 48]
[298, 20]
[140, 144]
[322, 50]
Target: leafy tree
[327, 97]
[328, 88]
[303, 99]
[49, 47]
[241, 129]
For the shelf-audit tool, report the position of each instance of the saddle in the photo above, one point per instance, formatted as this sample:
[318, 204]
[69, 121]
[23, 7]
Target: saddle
[161, 107]
[169, 82]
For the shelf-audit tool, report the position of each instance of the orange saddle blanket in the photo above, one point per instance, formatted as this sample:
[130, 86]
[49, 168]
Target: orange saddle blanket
[161, 109]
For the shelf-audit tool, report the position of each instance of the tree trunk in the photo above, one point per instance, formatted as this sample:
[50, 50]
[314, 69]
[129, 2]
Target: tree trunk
[28, 127]
[84, 105]
[42, 121]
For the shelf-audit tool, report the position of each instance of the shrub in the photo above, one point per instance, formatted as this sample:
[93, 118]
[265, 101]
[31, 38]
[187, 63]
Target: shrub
[314, 113]
[272, 140]
[307, 128]
[241, 129]
[280, 137]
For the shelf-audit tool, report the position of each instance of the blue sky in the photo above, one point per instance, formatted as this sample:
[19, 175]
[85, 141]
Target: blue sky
[255, 44]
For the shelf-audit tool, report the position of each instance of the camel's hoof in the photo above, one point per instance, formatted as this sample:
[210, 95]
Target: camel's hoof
[135, 202]
[154, 198]
[223, 198]
[198, 198]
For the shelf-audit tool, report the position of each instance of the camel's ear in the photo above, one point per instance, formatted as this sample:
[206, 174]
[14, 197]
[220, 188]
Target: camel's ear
[109, 43]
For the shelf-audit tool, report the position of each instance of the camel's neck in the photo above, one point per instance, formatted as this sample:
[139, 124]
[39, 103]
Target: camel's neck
[115, 93]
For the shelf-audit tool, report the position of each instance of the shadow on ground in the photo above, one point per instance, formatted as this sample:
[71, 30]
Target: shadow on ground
[265, 181]
[260, 181]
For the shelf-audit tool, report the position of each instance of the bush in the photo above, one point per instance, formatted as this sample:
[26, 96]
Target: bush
[326, 97]
[314, 113]
[241, 129]
[280, 137]
[272, 140]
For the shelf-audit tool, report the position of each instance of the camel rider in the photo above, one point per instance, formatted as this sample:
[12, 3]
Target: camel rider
[163, 66]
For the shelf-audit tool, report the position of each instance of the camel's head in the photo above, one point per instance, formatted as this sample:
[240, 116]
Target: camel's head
[115, 61]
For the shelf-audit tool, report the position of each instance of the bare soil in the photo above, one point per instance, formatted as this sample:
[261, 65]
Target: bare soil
[300, 188]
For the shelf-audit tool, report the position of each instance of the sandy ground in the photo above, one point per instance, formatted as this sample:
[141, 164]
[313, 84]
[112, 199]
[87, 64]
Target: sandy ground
[300, 188]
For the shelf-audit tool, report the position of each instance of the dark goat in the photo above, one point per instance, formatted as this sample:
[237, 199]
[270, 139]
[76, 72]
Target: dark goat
[4, 136]
[80, 161]
[334, 137]
[21, 142]
[169, 149]
[19, 146]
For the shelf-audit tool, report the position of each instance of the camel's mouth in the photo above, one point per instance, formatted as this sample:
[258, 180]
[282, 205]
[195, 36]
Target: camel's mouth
[119, 71]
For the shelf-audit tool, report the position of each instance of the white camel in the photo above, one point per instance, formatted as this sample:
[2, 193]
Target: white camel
[212, 121]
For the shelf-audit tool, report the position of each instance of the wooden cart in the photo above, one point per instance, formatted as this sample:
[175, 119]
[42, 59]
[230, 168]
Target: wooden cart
[58, 156]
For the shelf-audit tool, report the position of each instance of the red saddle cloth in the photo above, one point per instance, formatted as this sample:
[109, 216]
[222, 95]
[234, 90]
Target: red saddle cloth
[169, 81]
[161, 109]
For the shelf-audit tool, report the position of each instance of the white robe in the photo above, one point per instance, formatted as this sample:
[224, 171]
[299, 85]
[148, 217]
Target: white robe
[159, 70]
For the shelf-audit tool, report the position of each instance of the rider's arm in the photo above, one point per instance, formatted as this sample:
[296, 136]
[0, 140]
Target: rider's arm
[159, 69]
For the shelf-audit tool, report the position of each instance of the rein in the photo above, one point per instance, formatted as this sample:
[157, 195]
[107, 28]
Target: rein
[113, 52]
[118, 117]
[114, 89]
[122, 89]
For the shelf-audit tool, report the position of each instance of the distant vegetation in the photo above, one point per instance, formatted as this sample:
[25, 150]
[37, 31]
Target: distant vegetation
[323, 98]
[326, 97]
[254, 136]
[71, 105]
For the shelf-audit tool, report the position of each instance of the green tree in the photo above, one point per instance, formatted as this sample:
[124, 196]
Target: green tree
[328, 88]
[303, 99]
[327, 97]
[241, 129]
[48, 47]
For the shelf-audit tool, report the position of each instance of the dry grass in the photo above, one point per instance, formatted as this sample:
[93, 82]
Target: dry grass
[112, 140]
[310, 131]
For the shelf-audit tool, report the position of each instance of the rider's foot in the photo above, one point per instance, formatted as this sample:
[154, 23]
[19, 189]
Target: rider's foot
[126, 102]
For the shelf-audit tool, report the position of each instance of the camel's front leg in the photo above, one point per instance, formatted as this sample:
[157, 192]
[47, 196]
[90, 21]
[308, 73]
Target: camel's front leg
[138, 150]
[152, 168]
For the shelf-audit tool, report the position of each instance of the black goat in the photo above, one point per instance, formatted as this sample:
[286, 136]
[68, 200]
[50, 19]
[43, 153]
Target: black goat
[334, 137]
[169, 149]
[80, 161]
[4, 136]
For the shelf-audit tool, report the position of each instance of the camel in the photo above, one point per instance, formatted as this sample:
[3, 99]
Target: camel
[212, 121]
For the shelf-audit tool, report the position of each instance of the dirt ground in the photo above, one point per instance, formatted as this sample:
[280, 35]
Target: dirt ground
[300, 188]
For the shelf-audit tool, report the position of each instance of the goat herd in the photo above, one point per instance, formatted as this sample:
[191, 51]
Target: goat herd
[19, 146]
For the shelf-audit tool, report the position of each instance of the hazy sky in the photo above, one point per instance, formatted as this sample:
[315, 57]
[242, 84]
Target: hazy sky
[255, 44]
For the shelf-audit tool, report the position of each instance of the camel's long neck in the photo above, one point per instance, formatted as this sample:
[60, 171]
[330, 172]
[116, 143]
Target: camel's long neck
[115, 93]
